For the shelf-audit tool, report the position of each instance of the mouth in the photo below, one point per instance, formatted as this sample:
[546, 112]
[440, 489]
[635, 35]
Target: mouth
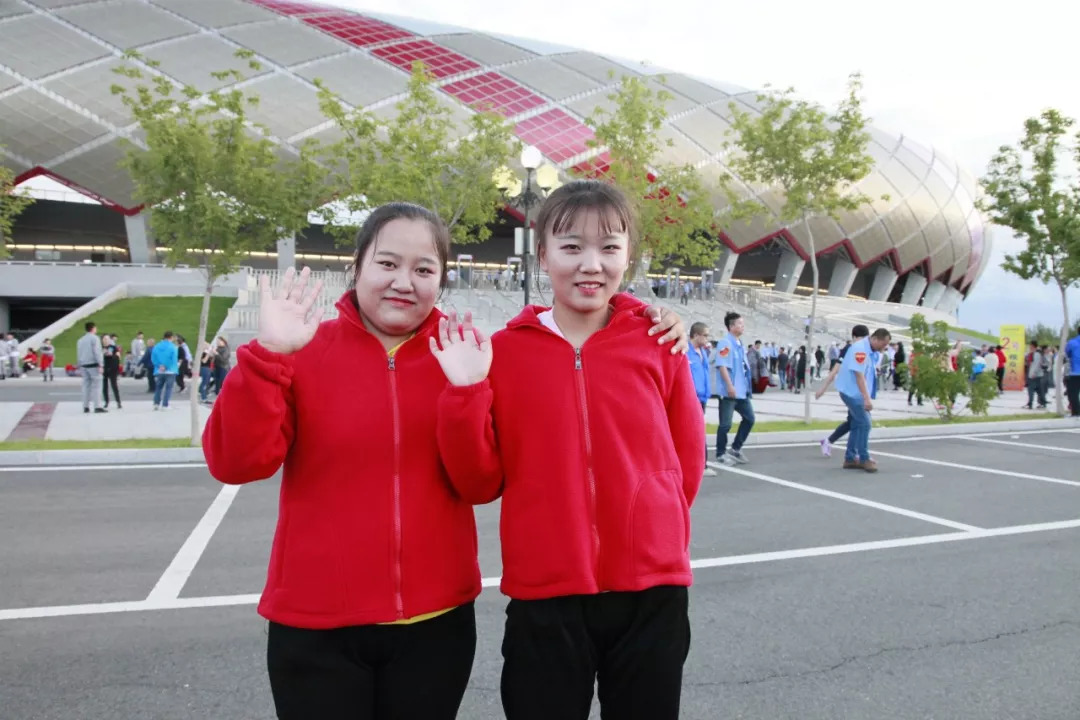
[400, 302]
[589, 288]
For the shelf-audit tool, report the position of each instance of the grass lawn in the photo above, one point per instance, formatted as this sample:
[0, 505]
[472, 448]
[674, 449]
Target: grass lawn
[985, 337]
[95, 444]
[152, 315]
[787, 425]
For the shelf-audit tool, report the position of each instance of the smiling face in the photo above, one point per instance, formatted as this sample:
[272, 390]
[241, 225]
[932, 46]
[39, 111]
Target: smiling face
[585, 259]
[397, 283]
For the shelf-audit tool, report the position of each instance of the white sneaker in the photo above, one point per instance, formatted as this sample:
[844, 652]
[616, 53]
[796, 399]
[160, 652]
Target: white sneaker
[726, 460]
[156, 408]
[709, 472]
[826, 448]
[738, 456]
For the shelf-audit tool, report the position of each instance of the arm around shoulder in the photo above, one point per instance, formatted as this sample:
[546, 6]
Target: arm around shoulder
[252, 424]
[467, 442]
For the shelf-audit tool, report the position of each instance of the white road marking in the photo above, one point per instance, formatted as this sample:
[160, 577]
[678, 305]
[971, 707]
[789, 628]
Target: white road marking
[176, 575]
[700, 564]
[850, 498]
[711, 443]
[134, 466]
[976, 468]
[1019, 444]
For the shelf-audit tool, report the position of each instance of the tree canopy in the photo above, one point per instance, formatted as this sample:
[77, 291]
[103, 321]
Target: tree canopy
[12, 203]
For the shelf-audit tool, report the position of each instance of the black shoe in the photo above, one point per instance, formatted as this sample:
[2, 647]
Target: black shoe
[100, 410]
[86, 410]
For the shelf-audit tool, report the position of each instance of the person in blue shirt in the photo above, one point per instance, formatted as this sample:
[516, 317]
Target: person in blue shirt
[700, 371]
[855, 381]
[734, 391]
[165, 357]
[857, 333]
[1072, 380]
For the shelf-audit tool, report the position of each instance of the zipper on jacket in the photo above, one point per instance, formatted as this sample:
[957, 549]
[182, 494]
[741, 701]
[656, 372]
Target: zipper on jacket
[399, 604]
[590, 476]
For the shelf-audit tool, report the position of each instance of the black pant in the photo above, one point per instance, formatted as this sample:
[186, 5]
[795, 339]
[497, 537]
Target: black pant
[1001, 379]
[632, 644]
[150, 381]
[184, 369]
[404, 672]
[1072, 389]
[107, 379]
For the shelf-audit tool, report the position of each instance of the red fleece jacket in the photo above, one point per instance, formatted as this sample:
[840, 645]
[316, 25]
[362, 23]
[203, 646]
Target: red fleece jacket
[369, 529]
[598, 453]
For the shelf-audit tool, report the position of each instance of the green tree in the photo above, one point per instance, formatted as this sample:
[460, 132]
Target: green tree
[814, 156]
[1043, 334]
[12, 202]
[1027, 191]
[673, 207]
[419, 155]
[217, 187]
[932, 375]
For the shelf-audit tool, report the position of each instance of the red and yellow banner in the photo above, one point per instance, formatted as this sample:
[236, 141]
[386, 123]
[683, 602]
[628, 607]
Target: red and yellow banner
[1012, 344]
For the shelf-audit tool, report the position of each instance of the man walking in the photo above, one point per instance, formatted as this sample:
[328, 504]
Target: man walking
[857, 333]
[854, 383]
[1072, 379]
[111, 370]
[91, 361]
[699, 370]
[164, 356]
[1035, 374]
[735, 392]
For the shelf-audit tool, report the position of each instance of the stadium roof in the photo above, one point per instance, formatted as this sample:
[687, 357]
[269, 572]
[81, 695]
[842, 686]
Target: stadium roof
[58, 117]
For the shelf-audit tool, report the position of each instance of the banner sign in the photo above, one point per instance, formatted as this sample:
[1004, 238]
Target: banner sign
[1012, 344]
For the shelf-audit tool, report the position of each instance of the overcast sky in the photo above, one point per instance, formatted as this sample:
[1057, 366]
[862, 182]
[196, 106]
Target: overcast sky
[959, 75]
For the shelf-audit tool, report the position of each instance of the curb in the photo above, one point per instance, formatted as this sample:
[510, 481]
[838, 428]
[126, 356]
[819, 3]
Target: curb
[814, 436]
[161, 456]
[112, 456]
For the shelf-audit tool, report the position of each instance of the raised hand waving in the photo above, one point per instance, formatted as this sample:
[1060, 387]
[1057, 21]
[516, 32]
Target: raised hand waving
[463, 351]
[286, 320]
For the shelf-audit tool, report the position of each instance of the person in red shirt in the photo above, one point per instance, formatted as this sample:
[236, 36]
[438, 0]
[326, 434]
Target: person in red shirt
[373, 570]
[593, 437]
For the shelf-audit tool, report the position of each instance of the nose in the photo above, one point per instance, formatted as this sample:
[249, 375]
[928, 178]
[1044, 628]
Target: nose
[402, 281]
[590, 261]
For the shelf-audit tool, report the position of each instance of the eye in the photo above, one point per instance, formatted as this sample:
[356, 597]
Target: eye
[613, 248]
[425, 271]
[569, 247]
[386, 264]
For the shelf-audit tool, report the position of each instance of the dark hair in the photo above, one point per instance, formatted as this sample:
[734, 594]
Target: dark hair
[380, 216]
[167, 335]
[562, 207]
[757, 342]
[730, 319]
[89, 326]
[698, 328]
[882, 334]
[860, 331]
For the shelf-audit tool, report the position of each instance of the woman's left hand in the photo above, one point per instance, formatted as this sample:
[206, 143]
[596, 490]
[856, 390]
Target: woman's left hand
[668, 320]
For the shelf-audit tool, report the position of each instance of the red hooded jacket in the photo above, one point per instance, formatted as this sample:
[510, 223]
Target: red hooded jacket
[369, 530]
[598, 452]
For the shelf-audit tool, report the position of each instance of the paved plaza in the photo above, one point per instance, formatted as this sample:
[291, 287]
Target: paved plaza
[61, 401]
[945, 586]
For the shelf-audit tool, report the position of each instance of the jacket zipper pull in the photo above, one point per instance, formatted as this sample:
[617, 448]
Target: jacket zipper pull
[577, 358]
[390, 362]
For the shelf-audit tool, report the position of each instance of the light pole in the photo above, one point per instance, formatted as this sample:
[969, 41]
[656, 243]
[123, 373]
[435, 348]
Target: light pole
[526, 198]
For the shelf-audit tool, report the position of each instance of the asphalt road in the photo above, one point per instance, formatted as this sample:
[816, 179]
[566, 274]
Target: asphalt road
[935, 622]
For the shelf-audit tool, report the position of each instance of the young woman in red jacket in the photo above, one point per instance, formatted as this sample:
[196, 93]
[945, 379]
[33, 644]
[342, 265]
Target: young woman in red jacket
[594, 438]
[373, 569]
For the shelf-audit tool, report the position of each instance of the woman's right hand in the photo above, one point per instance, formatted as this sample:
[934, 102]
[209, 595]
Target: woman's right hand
[286, 320]
[463, 352]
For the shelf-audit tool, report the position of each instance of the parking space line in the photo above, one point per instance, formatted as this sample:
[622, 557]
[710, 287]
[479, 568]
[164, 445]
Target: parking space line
[710, 440]
[1019, 444]
[176, 575]
[849, 498]
[977, 468]
[699, 564]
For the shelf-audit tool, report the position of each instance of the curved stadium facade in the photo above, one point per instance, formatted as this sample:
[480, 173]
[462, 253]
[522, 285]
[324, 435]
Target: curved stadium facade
[927, 243]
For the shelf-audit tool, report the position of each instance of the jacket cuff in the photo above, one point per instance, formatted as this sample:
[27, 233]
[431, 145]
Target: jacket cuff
[465, 391]
[272, 366]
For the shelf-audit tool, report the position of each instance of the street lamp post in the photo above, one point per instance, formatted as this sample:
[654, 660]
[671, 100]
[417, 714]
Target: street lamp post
[526, 198]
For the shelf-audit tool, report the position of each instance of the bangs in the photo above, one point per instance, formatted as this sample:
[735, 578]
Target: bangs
[565, 206]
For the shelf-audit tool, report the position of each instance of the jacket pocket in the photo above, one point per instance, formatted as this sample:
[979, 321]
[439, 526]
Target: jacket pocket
[659, 524]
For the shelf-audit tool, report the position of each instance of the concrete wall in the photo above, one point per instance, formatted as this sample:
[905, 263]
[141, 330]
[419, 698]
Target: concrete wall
[79, 280]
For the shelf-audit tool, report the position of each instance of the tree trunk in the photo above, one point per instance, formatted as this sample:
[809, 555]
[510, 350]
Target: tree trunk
[1059, 359]
[196, 361]
[639, 283]
[808, 415]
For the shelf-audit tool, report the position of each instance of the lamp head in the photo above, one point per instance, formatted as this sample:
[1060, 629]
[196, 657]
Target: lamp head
[531, 157]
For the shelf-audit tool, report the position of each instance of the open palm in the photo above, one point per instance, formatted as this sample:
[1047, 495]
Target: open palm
[463, 351]
[286, 320]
